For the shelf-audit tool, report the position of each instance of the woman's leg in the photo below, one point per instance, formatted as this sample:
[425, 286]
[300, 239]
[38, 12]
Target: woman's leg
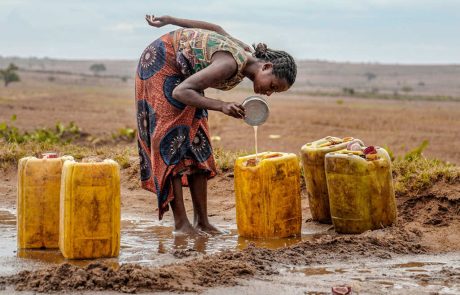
[198, 183]
[181, 223]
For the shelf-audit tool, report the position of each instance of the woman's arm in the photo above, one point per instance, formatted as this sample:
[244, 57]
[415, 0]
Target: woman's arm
[159, 21]
[223, 67]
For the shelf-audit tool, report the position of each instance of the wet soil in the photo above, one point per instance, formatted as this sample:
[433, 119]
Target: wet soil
[153, 259]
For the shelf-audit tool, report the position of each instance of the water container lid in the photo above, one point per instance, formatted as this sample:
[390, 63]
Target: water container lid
[50, 155]
[256, 109]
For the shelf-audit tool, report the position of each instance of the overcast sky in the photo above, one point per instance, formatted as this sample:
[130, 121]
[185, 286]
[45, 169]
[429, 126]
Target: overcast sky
[386, 31]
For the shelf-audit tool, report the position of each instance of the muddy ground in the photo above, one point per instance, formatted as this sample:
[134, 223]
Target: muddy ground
[418, 255]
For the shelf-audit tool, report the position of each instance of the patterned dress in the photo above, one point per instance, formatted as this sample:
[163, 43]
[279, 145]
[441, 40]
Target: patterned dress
[173, 138]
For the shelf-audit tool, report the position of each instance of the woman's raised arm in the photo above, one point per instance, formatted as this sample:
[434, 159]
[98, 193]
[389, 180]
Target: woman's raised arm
[159, 21]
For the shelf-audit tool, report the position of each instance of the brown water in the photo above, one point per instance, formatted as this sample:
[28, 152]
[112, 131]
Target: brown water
[150, 242]
[364, 276]
[392, 276]
[143, 240]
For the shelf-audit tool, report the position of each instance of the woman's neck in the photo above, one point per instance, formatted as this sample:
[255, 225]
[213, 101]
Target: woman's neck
[251, 68]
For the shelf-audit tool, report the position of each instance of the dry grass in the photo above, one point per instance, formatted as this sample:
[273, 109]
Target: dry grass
[418, 173]
[225, 160]
[414, 173]
[10, 153]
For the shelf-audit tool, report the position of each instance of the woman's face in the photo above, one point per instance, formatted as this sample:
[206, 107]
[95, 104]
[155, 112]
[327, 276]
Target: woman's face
[265, 82]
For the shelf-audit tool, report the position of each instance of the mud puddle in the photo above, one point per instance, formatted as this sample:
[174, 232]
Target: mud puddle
[151, 243]
[406, 274]
[147, 242]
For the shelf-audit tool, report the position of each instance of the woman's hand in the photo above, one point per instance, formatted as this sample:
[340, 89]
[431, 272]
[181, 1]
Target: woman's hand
[158, 21]
[233, 109]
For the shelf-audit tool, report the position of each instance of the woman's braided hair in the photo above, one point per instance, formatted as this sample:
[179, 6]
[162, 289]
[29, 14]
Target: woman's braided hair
[284, 66]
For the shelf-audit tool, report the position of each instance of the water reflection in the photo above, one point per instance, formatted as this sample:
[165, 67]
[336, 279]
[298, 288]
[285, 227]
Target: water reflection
[414, 264]
[54, 256]
[275, 243]
[143, 241]
[315, 271]
[49, 256]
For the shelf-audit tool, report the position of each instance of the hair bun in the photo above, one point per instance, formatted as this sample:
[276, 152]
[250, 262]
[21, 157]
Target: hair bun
[260, 49]
[284, 66]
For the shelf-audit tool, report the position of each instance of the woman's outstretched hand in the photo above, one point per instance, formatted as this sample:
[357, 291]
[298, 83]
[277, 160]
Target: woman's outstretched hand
[157, 21]
[233, 109]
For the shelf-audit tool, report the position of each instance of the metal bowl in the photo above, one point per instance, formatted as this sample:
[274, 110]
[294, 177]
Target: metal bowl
[256, 109]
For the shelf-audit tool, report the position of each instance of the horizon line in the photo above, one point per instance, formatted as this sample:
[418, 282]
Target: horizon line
[297, 60]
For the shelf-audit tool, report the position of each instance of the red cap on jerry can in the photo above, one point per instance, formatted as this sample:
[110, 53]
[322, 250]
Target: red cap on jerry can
[49, 155]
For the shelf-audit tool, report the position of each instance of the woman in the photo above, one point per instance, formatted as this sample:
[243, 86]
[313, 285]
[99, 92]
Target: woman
[173, 137]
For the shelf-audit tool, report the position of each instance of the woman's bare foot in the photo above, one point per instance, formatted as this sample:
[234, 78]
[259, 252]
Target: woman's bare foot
[208, 228]
[186, 229]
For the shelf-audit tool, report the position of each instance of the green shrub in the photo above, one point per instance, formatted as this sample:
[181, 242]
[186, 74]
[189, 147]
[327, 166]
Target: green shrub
[416, 152]
[60, 133]
[125, 134]
[9, 74]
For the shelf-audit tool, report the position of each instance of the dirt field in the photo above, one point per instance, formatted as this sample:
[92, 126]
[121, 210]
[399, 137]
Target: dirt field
[417, 255]
[313, 75]
[102, 106]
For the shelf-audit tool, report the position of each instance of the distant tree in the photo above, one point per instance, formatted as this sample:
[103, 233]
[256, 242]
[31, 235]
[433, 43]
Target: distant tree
[97, 68]
[348, 91]
[370, 76]
[407, 89]
[9, 74]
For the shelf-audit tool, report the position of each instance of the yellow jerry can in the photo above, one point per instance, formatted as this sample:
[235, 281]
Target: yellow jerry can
[268, 196]
[361, 192]
[312, 155]
[90, 210]
[39, 182]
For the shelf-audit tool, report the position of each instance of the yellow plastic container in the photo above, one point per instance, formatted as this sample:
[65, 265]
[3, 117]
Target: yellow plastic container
[361, 193]
[39, 182]
[268, 196]
[312, 155]
[90, 210]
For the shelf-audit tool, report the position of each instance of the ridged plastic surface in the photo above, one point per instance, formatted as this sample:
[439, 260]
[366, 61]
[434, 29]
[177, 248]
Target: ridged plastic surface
[312, 155]
[39, 182]
[361, 192]
[90, 210]
[268, 196]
